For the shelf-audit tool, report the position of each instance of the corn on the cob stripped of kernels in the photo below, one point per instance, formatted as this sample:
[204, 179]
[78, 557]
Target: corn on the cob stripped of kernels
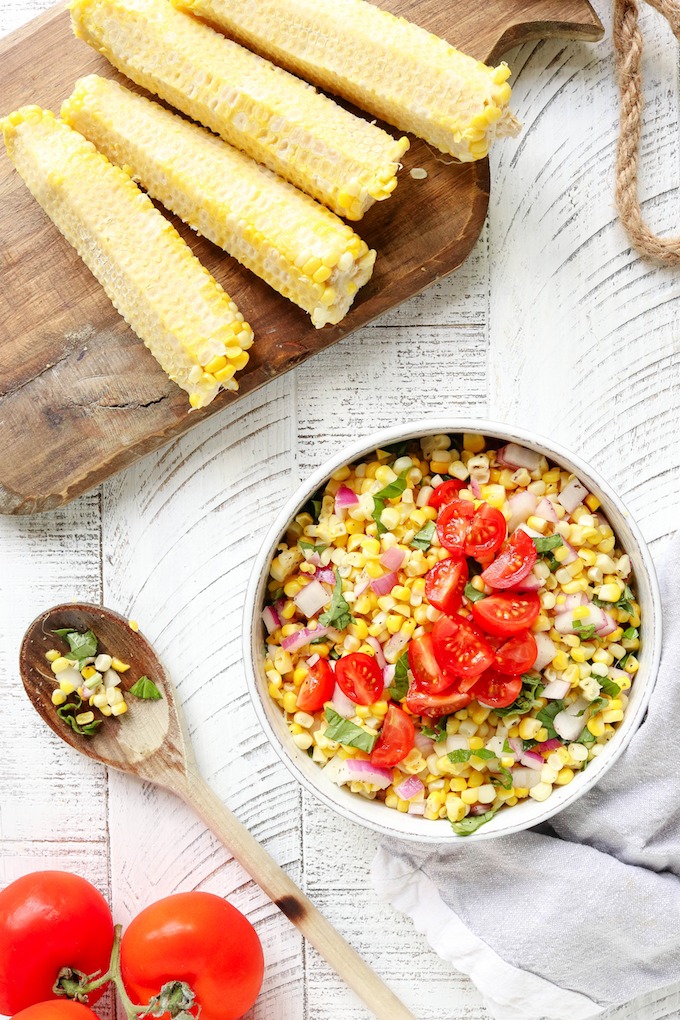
[385, 65]
[187, 321]
[299, 247]
[278, 120]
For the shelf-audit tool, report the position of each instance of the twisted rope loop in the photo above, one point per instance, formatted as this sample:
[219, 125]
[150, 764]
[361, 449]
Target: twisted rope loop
[628, 53]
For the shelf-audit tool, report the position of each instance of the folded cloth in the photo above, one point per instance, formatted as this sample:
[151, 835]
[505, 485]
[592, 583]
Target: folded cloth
[580, 914]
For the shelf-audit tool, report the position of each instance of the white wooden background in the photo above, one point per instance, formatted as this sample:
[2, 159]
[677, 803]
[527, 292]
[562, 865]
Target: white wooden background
[552, 323]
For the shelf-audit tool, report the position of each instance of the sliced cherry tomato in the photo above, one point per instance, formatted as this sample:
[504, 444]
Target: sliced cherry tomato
[507, 612]
[517, 654]
[317, 687]
[420, 702]
[496, 690]
[360, 678]
[50, 920]
[486, 533]
[427, 672]
[445, 492]
[452, 525]
[513, 564]
[460, 647]
[396, 739]
[444, 584]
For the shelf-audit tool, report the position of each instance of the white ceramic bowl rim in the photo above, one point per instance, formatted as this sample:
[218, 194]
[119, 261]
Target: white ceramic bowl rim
[528, 813]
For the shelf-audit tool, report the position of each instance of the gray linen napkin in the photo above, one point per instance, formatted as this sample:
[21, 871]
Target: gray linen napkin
[584, 913]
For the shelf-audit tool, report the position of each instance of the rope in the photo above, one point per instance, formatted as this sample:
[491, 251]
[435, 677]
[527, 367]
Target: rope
[628, 54]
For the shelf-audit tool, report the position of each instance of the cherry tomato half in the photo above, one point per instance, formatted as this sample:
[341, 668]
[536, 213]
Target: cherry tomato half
[506, 613]
[452, 525]
[198, 938]
[56, 1009]
[427, 673]
[517, 654]
[420, 702]
[396, 739]
[317, 687]
[496, 690]
[50, 920]
[460, 647]
[360, 678]
[445, 492]
[514, 562]
[486, 532]
[445, 583]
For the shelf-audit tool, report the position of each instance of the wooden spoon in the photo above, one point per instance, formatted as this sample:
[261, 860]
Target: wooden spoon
[151, 742]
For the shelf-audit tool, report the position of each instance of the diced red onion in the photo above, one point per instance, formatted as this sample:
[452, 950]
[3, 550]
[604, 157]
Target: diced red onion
[410, 787]
[572, 495]
[312, 557]
[294, 642]
[364, 772]
[578, 599]
[525, 779]
[270, 618]
[608, 627]
[417, 809]
[549, 745]
[617, 674]
[344, 498]
[424, 744]
[531, 532]
[312, 660]
[325, 574]
[546, 510]
[389, 669]
[516, 456]
[571, 554]
[597, 618]
[396, 645]
[569, 723]
[546, 650]
[384, 585]
[532, 760]
[361, 584]
[532, 582]
[343, 705]
[311, 598]
[517, 747]
[479, 809]
[474, 487]
[522, 505]
[377, 648]
[393, 558]
[555, 690]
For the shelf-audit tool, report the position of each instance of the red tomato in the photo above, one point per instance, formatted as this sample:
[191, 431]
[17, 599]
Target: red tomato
[427, 673]
[497, 691]
[396, 739]
[50, 920]
[452, 525]
[444, 585]
[518, 654]
[317, 687]
[420, 702]
[198, 938]
[513, 564]
[506, 613]
[460, 647]
[360, 678]
[486, 532]
[445, 492]
[56, 1009]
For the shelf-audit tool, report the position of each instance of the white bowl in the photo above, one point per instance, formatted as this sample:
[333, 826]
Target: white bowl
[528, 813]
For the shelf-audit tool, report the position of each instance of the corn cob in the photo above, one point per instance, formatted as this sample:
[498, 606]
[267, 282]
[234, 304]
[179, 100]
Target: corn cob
[190, 325]
[384, 64]
[300, 248]
[337, 158]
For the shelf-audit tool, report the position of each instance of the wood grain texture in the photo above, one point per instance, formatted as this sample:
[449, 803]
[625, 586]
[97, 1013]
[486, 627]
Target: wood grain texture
[590, 358]
[97, 399]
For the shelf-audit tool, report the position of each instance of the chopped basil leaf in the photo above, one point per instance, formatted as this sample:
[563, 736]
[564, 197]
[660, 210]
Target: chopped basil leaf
[310, 545]
[145, 688]
[553, 565]
[586, 738]
[276, 595]
[584, 632]
[423, 538]
[393, 489]
[472, 823]
[471, 593]
[400, 683]
[313, 506]
[506, 748]
[462, 755]
[625, 601]
[67, 713]
[378, 507]
[547, 542]
[439, 729]
[596, 704]
[629, 634]
[532, 685]
[609, 687]
[63, 631]
[547, 715]
[504, 779]
[83, 646]
[528, 744]
[397, 450]
[334, 654]
[319, 641]
[623, 660]
[338, 614]
[345, 732]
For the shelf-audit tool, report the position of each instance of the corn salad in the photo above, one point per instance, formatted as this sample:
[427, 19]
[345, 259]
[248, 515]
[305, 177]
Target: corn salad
[451, 628]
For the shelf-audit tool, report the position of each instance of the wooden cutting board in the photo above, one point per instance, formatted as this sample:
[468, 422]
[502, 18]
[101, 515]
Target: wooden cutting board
[80, 396]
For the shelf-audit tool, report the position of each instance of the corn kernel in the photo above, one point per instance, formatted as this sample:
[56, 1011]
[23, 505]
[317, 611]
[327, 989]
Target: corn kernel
[60, 664]
[120, 708]
[133, 625]
[596, 726]
[469, 796]
[528, 728]
[290, 702]
[52, 655]
[66, 686]
[541, 791]
[120, 667]
[58, 697]
[83, 718]
[564, 776]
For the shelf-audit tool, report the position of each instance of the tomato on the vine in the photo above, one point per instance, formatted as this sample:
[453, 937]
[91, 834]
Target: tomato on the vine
[445, 492]
[200, 939]
[506, 613]
[496, 690]
[517, 654]
[360, 678]
[486, 532]
[317, 687]
[396, 739]
[445, 583]
[514, 562]
[50, 920]
[56, 1009]
[460, 647]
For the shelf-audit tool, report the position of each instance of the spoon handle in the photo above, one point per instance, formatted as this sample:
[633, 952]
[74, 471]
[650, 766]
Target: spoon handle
[356, 973]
